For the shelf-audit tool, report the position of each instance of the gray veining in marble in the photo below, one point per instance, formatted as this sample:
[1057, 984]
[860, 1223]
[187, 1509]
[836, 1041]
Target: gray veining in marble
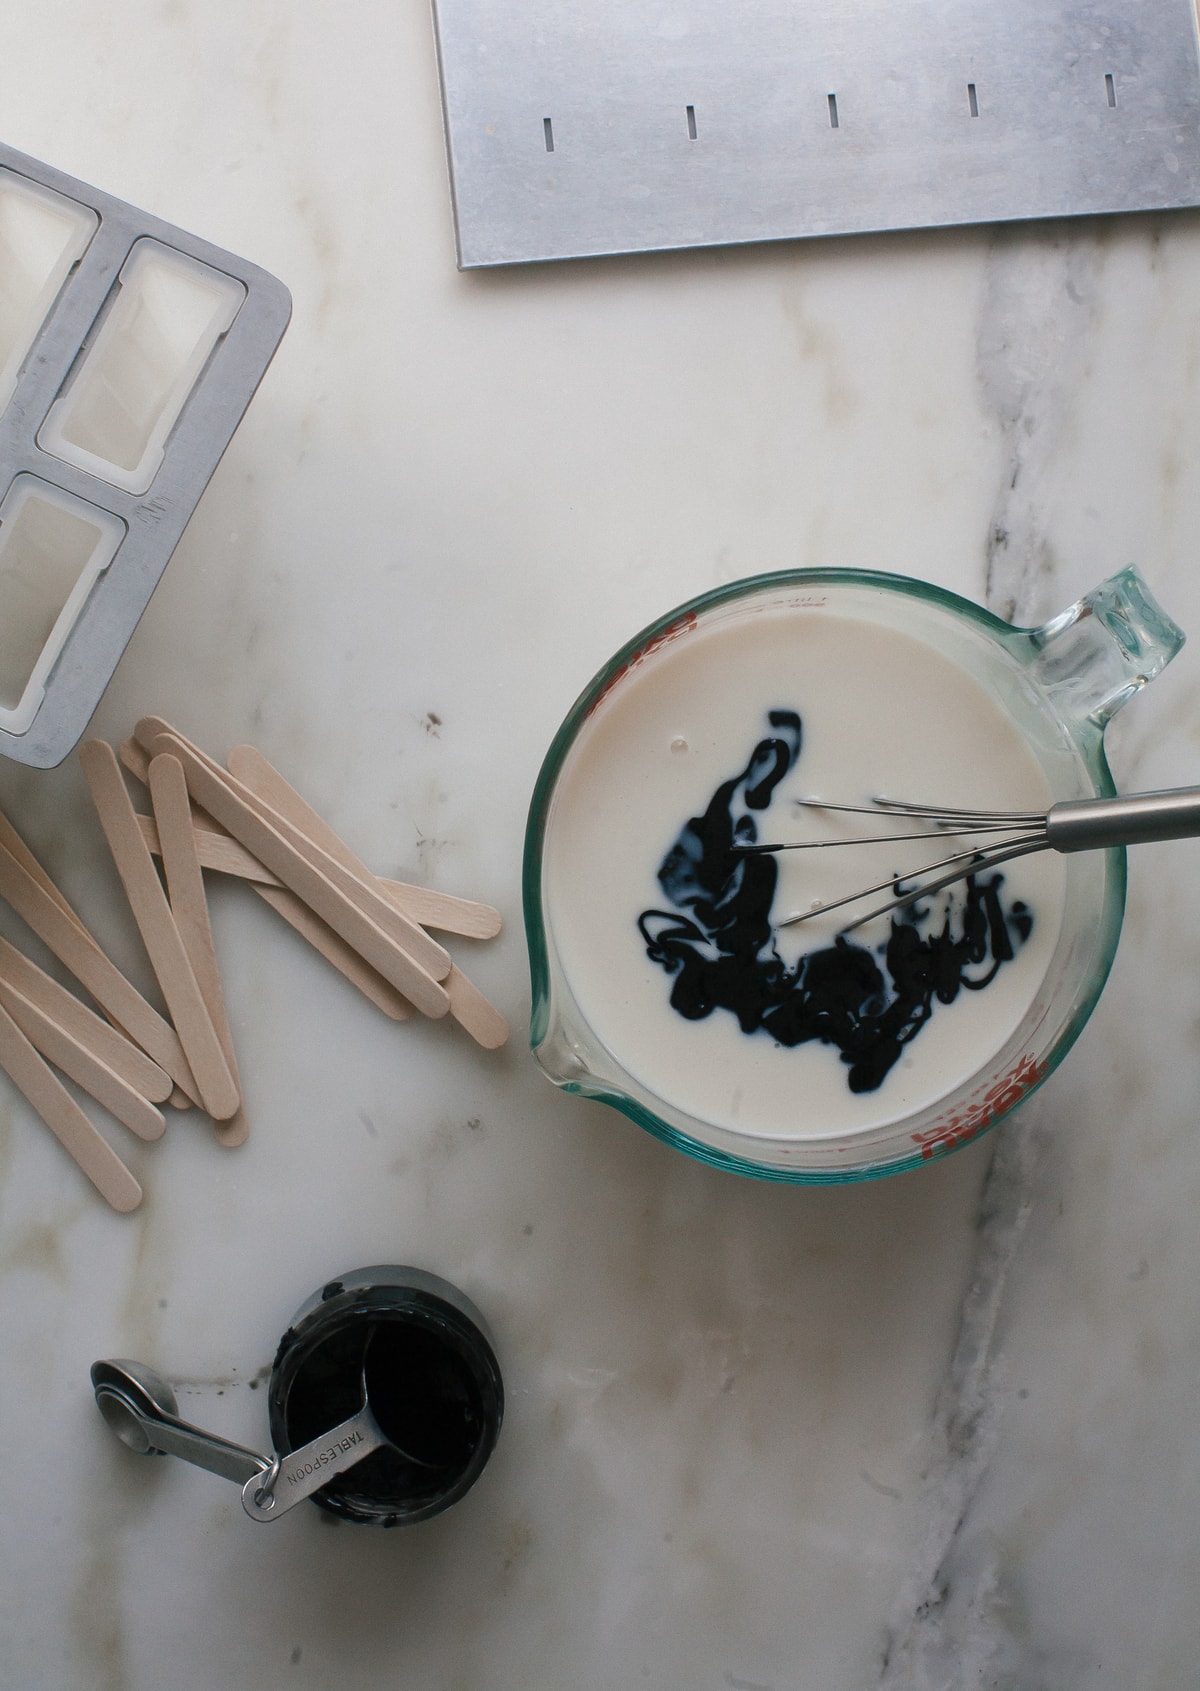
[935, 1432]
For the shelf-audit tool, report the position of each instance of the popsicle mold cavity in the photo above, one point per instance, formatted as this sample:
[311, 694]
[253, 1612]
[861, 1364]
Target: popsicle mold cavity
[157, 332]
[52, 548]
[42, 235]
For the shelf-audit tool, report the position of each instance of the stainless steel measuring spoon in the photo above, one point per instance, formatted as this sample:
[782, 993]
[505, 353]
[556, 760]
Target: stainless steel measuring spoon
[301, 1472]
[141, 1408]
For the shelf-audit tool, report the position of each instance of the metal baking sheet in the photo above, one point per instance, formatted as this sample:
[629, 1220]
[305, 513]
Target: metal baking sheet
[145, 508]
[607, 126]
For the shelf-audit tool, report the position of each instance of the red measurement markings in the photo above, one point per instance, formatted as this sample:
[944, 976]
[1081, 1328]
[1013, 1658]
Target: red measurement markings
[980, 1111]
[673, 630]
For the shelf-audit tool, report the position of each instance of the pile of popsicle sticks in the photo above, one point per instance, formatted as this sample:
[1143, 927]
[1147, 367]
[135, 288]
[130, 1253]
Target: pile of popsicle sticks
[243, 820]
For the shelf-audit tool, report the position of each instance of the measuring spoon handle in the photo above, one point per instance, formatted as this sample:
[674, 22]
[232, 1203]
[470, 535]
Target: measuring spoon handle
[205, 1450]
[174, 1437]
[306, 1470]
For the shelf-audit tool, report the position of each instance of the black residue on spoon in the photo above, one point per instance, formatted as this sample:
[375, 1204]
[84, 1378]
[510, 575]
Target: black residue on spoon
[718, 943]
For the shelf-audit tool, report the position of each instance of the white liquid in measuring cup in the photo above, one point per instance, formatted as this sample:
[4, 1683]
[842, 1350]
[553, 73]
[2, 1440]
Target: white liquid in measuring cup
[726, 727]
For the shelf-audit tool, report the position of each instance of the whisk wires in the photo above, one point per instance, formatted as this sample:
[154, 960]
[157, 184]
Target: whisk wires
[1020, 832]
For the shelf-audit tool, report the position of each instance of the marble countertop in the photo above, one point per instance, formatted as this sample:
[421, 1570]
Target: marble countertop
[932, 1432]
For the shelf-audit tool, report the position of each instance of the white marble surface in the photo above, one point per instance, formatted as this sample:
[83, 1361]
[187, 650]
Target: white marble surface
[929, 1433]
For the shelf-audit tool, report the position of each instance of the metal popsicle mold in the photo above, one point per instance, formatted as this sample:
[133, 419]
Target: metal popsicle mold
[129, 351]
[634, 125]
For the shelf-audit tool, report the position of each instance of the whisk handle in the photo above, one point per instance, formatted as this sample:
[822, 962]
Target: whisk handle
[1084, 824]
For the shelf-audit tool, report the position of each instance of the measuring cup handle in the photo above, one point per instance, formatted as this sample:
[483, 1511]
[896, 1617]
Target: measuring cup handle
[1103, 649]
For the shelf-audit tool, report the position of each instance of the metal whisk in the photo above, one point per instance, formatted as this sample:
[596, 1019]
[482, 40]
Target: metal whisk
[1071, 825]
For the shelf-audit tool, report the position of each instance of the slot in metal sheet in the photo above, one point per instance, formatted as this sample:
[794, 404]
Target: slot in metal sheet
[610, 126]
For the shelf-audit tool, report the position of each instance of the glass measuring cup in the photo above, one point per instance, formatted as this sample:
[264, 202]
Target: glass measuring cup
[1055, 686]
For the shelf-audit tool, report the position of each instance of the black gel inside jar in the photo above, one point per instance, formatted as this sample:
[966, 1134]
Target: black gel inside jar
[431, 1377]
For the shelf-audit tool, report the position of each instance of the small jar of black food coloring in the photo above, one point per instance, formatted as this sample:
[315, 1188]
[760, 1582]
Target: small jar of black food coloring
[434, 1385]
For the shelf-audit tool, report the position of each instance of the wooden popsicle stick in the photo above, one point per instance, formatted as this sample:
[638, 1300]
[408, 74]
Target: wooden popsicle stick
[189, 907]
[391, 1001]
[104, 1040]
[218, 850]
[475, 1013]
[21, 852]
[65, 935]
[16, 845]
[444, 911]
[335, 950]
[136, 760]
[431, 909]
[79, 1064]
[432, 959]
[54, 1104]
[332, 894]
[468, 1006]
[217, 1090]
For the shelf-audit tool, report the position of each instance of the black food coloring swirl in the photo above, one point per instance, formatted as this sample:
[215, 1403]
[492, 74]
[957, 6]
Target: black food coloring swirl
[718, 945]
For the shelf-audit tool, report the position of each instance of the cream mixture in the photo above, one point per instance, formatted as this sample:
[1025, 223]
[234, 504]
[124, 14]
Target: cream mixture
[674, 949]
